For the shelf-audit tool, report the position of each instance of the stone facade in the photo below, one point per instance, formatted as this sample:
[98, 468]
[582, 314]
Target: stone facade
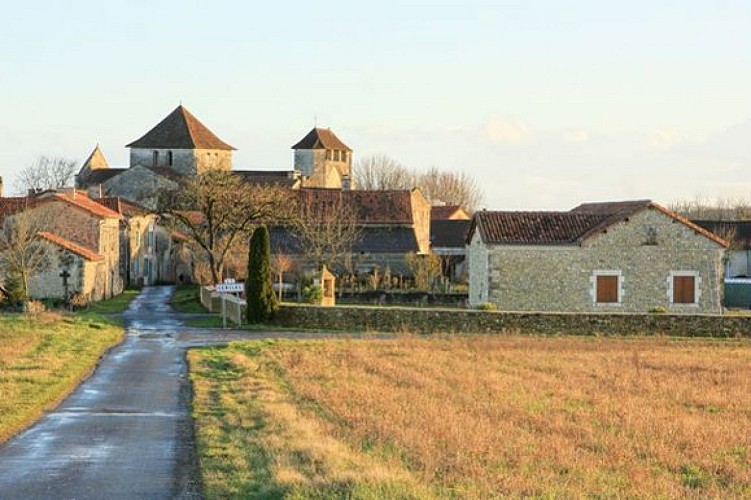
[644, 253]
[87, 277]
[324, 168]
[188, 162]
[138, 184]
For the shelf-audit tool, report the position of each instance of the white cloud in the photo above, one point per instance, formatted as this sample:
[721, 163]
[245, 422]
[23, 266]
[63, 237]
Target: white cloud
[507, 132]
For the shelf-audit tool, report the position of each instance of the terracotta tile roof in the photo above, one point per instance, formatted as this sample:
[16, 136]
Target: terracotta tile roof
[180, 130]
[73, 247]
[534, 228]
[12, 205]
[448, 212]
[372, 240]
[321, 138]
[371, 207]
[79, 200]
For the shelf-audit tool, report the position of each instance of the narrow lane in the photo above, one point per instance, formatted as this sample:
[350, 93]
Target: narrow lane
[123, 433]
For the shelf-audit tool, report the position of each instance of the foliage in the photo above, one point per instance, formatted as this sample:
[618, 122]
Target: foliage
[478, 416]
[658, 310]
[217, 211]
[187, 299]
[425, 268]
[312, 294]
[487, 306]
[43, 359]
[440, 187]
[24, 254]
[115, 305]
[259, 294]
[46, 172]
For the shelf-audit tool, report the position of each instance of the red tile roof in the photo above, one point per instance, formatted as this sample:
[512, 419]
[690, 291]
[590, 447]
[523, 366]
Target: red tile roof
[12, 205]
[371, 207]
[70, 246]
[180, 130]
[122, 206]
[79, 200]
[321, 138]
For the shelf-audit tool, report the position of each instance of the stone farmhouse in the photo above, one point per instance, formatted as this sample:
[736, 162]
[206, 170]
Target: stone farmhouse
[83, 240]
[631, 256]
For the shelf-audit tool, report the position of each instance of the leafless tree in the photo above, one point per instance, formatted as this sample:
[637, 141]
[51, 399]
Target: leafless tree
[327, 228]
[23, 252]
[425, 268]
[281, 264]
[218, 211]
[47, 172]
[719, 209]
[379, 172]
[451, 188]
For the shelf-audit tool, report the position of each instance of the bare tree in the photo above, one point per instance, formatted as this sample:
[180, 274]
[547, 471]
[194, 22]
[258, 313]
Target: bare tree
[218, 211]
[281, 264]
[720, 209]
[327, 227]
[47, 172]
[379, 172]
[23, 252]
[425, 268]
[451, 188]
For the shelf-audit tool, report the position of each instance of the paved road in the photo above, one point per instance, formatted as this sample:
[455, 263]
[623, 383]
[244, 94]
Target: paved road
[125, 432]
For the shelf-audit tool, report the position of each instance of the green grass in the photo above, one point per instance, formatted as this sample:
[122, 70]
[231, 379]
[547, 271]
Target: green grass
[43, 358]
[187, 299]
[114, 305]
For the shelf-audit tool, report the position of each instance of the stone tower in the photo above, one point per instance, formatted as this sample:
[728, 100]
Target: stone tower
[323, 160]
[182, 143]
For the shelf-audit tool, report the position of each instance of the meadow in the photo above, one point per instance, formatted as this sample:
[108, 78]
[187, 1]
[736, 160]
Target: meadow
[475, 416]
[42, 359]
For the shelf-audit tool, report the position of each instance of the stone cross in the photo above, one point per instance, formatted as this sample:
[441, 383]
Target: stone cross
[65, 275]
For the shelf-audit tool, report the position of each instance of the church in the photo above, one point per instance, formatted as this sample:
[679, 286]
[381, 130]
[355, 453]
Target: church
[181, 146]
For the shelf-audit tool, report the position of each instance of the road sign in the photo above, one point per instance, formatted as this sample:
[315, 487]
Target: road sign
[230, 288]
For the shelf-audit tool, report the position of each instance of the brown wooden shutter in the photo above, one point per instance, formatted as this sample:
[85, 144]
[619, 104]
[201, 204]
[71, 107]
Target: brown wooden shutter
[607, 289]
[683, 290]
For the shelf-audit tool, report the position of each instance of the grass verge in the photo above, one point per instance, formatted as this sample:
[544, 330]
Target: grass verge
[42, 359]
[187, 299]
[475, 417]
[114, 305]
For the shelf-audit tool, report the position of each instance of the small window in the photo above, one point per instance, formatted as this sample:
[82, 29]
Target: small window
[336, 155]
[607, 289]
[155, 158]
[169, 158]
[329, 154]
[684, 289]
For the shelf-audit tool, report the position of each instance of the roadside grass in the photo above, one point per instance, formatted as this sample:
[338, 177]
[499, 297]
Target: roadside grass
[43, 358]
[186, 299]
[114, 305]
[475, 417]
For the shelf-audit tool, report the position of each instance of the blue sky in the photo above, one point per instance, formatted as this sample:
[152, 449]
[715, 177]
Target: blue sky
[547, 103]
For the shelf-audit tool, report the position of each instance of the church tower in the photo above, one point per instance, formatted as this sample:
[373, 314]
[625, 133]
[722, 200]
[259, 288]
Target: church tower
[323, 160]
[181, 143]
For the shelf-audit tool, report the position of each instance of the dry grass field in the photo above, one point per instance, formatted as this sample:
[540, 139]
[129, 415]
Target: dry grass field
[42, 359]
[475, 417]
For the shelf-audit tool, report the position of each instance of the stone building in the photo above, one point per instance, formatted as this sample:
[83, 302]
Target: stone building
[323, 160]
[83, 238]
[599, 257]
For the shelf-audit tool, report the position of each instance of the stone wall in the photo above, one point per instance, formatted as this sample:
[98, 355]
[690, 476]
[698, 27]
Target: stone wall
[138, 184]
[563, 277]
[421, 220]
[212, 159]
[183, 160]
[424, 321]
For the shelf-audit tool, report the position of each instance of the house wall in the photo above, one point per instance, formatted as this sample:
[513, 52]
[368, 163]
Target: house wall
[48, 284]
[319, 171]
[737, 263]
[562, 278]
[421, 220]
[212, 159]
[183, 160]
[477, 255]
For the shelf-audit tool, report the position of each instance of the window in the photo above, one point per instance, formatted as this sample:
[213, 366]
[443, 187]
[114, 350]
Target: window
[607, 289]
[684, 288]
[329, 154]
[336, 155]
[155, 158]
[169, 158]
[150, 238]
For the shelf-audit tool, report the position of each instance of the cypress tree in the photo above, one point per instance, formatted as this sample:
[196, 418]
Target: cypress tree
[259, 294]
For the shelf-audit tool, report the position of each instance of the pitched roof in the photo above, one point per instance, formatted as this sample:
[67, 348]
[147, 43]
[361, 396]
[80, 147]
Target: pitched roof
[448, 212]
[122, 206]
[280, 178]
[96, 160]
[180, 130]
[321, 138]
[370, 206]
[448, 233]
[372, 240]
[77, 199]
[566, 228]
[12, 205]
[102, 175]
[73, 247]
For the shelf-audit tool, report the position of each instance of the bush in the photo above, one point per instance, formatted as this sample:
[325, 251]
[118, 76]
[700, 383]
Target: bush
[34, 307]
[487, 306]
[658, 310]
[312, 294]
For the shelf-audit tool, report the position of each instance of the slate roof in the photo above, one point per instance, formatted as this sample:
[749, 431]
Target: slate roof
[102, 175]
[448, 212]
[280, 178]
[448, 233]
[321, 138]
[180, 130]
[738, 231]
[373, 240]
[73, 247]
[566, 228]
[122, 206]
[372, 207]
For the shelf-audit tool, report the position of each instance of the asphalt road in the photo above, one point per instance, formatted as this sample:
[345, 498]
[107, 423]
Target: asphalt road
[125, 432]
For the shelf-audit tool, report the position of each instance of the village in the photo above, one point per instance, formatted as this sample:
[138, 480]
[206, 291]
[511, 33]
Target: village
[107, 233]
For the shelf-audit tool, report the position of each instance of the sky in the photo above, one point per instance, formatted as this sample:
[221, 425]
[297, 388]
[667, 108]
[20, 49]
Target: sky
[547, 103]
